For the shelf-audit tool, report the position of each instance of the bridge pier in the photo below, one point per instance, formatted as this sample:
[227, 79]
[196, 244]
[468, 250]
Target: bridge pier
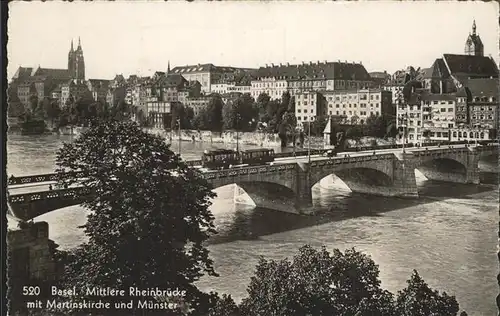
[404, 182]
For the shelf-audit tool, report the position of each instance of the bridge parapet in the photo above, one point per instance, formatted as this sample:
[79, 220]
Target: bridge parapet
[48, 177]
[36, 196]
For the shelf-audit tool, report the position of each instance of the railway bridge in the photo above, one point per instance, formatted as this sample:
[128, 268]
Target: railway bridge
[386, 174]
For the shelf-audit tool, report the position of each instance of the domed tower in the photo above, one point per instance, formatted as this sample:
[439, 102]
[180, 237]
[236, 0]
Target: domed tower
[79, 62]
[474, 45]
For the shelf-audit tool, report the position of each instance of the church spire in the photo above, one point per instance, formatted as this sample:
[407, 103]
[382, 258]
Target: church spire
[72, 45]
[79, 43]
[168, 67]
[474, 27]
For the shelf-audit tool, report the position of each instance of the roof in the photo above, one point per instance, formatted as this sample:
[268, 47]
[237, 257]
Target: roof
[438, 97]
[326, 70]
[173, 80]
[483, 87]
[201, 68]
[471, 66]
[438, 70]
[99, 83]
[22, 73]
[62, 74]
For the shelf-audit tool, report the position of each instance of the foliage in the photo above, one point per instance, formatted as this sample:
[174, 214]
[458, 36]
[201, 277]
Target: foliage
[418, 299]
[149, 213]
[181, 114]
[223, 306]
[317, 126]
[212, 117]
[317, 283]
[239, 114]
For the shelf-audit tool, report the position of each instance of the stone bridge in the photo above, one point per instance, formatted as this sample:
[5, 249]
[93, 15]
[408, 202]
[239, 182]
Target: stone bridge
[387, 174]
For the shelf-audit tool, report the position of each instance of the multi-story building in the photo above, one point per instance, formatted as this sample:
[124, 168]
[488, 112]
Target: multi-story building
[461, 110]
[205, 74]
[73, 90]
[451, 72]
[308, 106]
[355, 106]
[158, 112]
[197, 104]
[115, 95]
[438, 116]
[483, 102]
[43, 81]
[98, 88]
[274, 80]
[223, 88]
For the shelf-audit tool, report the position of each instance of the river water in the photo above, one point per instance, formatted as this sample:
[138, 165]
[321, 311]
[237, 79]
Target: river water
[449, 234]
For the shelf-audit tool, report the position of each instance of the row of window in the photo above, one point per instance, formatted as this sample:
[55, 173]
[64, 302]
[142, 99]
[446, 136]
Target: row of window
[362, 105]
[364, 113]
[353, 97]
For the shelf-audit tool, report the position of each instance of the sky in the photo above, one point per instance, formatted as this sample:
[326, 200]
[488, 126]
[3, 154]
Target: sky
[124, 37]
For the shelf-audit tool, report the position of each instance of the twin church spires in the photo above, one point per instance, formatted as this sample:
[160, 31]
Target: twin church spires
[76, 63]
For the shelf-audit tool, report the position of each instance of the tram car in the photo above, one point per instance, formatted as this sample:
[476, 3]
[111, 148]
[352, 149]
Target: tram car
[257, 156]
[219, 158]
[225, 158]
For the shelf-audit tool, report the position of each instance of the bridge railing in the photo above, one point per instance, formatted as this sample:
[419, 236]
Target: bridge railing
[35, 196]
[217, 174]
[48, 177]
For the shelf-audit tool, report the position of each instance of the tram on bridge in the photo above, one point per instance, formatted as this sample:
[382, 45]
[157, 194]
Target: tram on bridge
[224, 158]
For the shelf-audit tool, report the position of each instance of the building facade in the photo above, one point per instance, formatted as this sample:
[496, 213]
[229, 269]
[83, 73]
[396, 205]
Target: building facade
[274, 80]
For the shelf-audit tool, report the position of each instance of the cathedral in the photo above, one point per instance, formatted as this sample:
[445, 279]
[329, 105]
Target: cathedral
[76, 63]
[473, 45]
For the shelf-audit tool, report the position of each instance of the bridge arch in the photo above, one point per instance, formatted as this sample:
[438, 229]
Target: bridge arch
[369, 174]
[265, 194]
[447, 168]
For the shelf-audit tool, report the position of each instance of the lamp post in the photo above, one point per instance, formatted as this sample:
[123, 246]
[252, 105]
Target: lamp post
[309, 143]
[238, 117]
[179, 129]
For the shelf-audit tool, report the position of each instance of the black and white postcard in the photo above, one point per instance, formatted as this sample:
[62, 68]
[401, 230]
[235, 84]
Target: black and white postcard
[252, 158]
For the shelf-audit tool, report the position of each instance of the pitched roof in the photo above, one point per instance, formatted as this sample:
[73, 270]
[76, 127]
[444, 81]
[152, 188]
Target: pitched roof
[470, 66]
[99, 83]
[483, 87]
[173, 80]
[62, 74]
[326, 70]
[22, 73]
[201, 68]
[438, 70]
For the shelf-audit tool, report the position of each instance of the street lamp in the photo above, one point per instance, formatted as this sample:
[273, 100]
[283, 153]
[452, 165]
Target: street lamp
[179, 129]
[309, 143]
[238, 118]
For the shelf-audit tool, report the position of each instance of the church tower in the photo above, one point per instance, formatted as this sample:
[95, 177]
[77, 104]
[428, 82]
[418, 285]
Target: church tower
[76, 62]
[474, 45]
[71, 60]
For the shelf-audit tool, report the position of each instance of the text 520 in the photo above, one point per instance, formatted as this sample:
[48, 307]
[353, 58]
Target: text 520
[31, 290]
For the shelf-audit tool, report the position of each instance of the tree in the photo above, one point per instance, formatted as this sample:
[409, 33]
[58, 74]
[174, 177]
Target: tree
[240, 114]
[149, 213]
[418, 299]
[223, 306]
[200, 120]
[287, 127]
[317, 282]
[213, 113]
